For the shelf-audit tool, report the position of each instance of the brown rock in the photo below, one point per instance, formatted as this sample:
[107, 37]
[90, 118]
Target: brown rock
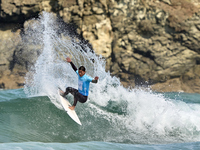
[154, 42]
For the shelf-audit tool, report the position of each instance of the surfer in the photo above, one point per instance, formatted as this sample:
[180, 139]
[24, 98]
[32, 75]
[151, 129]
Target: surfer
[84, 80]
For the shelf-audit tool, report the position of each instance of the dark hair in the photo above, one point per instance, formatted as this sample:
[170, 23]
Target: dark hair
[82, 68]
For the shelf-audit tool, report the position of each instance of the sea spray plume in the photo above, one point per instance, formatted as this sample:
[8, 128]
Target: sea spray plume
[127, 115]
[41, 33]
[51, 70]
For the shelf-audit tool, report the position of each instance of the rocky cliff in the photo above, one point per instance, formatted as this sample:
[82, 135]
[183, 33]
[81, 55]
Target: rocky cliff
[145, 42]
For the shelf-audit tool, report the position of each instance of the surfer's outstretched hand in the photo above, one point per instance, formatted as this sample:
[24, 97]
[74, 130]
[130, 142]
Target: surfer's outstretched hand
[68, 60]
[95, 80]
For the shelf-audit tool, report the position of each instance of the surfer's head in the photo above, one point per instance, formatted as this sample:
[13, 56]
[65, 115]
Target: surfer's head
[81, 70]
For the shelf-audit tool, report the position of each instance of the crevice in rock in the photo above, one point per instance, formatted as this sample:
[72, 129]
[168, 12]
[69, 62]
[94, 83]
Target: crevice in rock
[139, 81]
[144, 54]
[198, 62]
[13, 61]
[2, 85]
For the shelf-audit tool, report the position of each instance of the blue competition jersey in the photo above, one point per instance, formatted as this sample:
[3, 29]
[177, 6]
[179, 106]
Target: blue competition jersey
[84, 83]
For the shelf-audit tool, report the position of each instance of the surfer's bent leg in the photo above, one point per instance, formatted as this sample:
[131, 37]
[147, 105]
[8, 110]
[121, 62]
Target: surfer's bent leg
[70, 90]
[79, 97]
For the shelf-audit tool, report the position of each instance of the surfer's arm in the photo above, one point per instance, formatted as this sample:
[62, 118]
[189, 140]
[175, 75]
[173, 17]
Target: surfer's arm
[73, 66]
[95, 80]
[71, 63]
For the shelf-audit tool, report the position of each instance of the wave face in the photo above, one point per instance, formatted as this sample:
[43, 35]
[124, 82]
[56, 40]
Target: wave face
[112, 112]
[150, 118]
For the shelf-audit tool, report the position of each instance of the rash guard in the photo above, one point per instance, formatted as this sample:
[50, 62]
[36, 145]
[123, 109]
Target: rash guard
[84, 83]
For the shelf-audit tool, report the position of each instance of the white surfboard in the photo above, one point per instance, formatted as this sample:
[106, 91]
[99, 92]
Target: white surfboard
[65, 103]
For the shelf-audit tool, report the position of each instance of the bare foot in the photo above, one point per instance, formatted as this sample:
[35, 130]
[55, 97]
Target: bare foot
[62, 93]
[72, 107]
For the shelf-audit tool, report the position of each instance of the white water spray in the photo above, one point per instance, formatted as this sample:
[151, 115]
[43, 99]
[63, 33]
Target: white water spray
[51, 70]
[135, 114]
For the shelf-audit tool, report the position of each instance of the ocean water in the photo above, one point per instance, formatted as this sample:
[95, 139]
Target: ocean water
[153, 121]
[114, 117]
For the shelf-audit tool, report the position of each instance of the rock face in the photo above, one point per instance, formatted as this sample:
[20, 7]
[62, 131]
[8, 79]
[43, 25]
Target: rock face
[145, 42]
